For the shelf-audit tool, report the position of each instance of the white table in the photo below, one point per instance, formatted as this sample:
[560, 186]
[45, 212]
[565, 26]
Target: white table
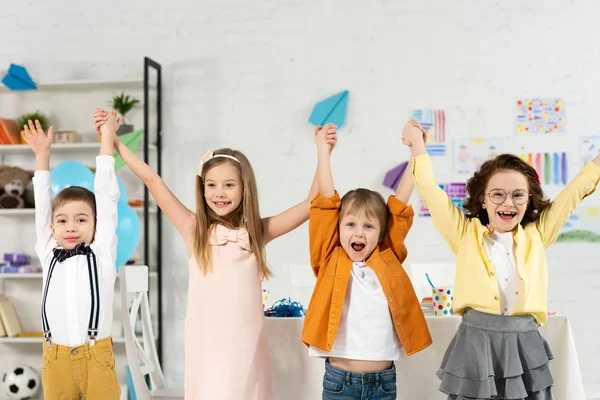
[299, 377]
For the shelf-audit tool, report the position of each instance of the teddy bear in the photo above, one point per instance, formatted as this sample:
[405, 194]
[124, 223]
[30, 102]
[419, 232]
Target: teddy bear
[16, 187]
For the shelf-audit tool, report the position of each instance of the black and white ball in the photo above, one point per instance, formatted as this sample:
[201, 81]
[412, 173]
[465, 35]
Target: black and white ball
[21, 382]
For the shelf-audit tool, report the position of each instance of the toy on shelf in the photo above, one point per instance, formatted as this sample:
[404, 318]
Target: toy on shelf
[16, 187]
[66, 137]
[16, 259]
[17, 263]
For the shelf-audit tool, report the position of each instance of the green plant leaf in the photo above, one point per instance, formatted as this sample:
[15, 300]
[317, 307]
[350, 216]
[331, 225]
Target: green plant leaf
[124, 103]
[23, 119]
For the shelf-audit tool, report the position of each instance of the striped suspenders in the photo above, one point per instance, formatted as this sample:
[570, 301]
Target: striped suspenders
[94, 320]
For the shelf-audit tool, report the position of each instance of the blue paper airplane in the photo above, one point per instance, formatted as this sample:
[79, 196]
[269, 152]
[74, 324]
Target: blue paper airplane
[17, 78]
[332, 109]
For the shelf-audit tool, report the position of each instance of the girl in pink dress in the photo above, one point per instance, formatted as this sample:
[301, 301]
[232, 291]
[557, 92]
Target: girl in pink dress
[226, 347]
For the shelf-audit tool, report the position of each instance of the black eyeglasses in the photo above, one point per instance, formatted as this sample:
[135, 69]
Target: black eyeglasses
[519, 196]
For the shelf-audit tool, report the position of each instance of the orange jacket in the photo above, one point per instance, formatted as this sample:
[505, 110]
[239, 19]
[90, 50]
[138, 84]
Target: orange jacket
[331, 266]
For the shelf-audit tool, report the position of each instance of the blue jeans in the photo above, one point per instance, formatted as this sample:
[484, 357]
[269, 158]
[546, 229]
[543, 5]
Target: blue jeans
[344, 385]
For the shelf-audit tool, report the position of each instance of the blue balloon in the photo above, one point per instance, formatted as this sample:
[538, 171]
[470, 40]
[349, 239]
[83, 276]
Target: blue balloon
[128, 233]
[122, 190]
[71, 173]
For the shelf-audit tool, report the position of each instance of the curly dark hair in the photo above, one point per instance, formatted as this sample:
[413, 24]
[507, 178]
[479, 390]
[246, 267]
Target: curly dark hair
[476, 188]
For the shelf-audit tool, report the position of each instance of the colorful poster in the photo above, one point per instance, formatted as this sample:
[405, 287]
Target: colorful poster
[550, 167]
[434, 122]
[582, 226]
[469, 154]
[589, 148]
[456, 192]
[541, 116]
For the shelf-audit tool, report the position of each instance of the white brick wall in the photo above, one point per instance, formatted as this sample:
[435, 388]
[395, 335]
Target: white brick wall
[246, 74]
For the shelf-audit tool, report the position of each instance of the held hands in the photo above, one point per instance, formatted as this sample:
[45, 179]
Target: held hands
[326, 137]
[413, 133]
[107, 123]
[36, 138]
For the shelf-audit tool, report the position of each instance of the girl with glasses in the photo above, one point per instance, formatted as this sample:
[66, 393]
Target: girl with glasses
[501, 272]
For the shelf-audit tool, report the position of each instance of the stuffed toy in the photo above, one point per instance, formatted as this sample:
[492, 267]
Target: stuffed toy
[16, 187]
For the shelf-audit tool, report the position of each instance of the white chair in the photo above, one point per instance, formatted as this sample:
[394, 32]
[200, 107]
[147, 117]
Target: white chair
[142, 360]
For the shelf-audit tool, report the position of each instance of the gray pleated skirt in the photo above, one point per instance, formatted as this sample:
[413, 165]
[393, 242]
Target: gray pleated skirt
[497, 357]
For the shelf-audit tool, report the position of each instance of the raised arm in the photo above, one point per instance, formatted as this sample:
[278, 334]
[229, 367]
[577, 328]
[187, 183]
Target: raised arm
[400, 219]
[555, 216]
[106, 188]
[406, 184]
[323, 231]
[448, 219]
[280, 224]
[179, 215]
[35, 137]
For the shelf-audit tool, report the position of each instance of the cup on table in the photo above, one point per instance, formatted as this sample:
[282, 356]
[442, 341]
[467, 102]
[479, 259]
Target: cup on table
[442, 300]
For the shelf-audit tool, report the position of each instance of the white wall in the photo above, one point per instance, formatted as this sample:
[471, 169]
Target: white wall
[246, 75]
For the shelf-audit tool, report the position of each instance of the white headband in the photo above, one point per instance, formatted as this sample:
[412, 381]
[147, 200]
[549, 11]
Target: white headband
[209, 156]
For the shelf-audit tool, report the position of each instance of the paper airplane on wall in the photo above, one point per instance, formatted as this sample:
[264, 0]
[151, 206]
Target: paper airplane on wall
[17, 78]
[132, 141]
[393, 176]
[332, 109]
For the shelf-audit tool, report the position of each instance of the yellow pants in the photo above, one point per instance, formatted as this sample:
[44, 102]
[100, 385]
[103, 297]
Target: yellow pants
[84, 371]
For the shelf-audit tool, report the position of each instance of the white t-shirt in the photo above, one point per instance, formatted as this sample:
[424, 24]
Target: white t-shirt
[68, 300]
[499, 248]
[366, 330]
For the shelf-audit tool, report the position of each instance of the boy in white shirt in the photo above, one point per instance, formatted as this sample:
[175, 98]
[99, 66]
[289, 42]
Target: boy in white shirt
[77, 245]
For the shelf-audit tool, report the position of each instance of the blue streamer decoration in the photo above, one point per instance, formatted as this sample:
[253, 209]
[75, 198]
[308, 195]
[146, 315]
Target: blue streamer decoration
[285, 308]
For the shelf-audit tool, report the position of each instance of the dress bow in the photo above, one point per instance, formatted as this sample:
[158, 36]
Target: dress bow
[221, 235]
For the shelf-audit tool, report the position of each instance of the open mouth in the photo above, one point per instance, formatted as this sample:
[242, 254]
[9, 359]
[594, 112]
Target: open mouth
[221, 204]
[507, 215]
[357, 247]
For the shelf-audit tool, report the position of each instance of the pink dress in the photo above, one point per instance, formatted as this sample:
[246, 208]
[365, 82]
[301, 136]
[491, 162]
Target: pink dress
[226, 347]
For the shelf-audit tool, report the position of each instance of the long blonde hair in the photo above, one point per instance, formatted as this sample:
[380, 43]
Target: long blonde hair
[246, 216]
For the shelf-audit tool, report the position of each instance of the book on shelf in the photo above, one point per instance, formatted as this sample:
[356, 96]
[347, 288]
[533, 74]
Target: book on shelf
[9, 132]
[12, 326]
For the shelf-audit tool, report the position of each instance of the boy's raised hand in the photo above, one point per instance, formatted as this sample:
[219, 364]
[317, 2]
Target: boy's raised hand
[36, 138]
[106, 123]
[326, 136]
[413, 132]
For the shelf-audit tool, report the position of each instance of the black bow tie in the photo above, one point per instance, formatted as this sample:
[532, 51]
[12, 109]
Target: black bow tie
[62, 254]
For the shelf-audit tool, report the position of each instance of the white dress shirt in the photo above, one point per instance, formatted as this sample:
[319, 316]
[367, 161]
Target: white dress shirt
[69, 300]
[499, 247]
[366, 331]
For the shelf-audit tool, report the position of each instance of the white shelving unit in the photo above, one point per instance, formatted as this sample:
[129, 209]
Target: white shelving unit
[86, 84]
[69, 104]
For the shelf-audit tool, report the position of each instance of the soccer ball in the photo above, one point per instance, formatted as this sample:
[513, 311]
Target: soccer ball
[21, 382]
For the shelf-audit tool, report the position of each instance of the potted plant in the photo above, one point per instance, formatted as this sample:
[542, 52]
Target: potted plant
[123, 104]
[23, 119]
